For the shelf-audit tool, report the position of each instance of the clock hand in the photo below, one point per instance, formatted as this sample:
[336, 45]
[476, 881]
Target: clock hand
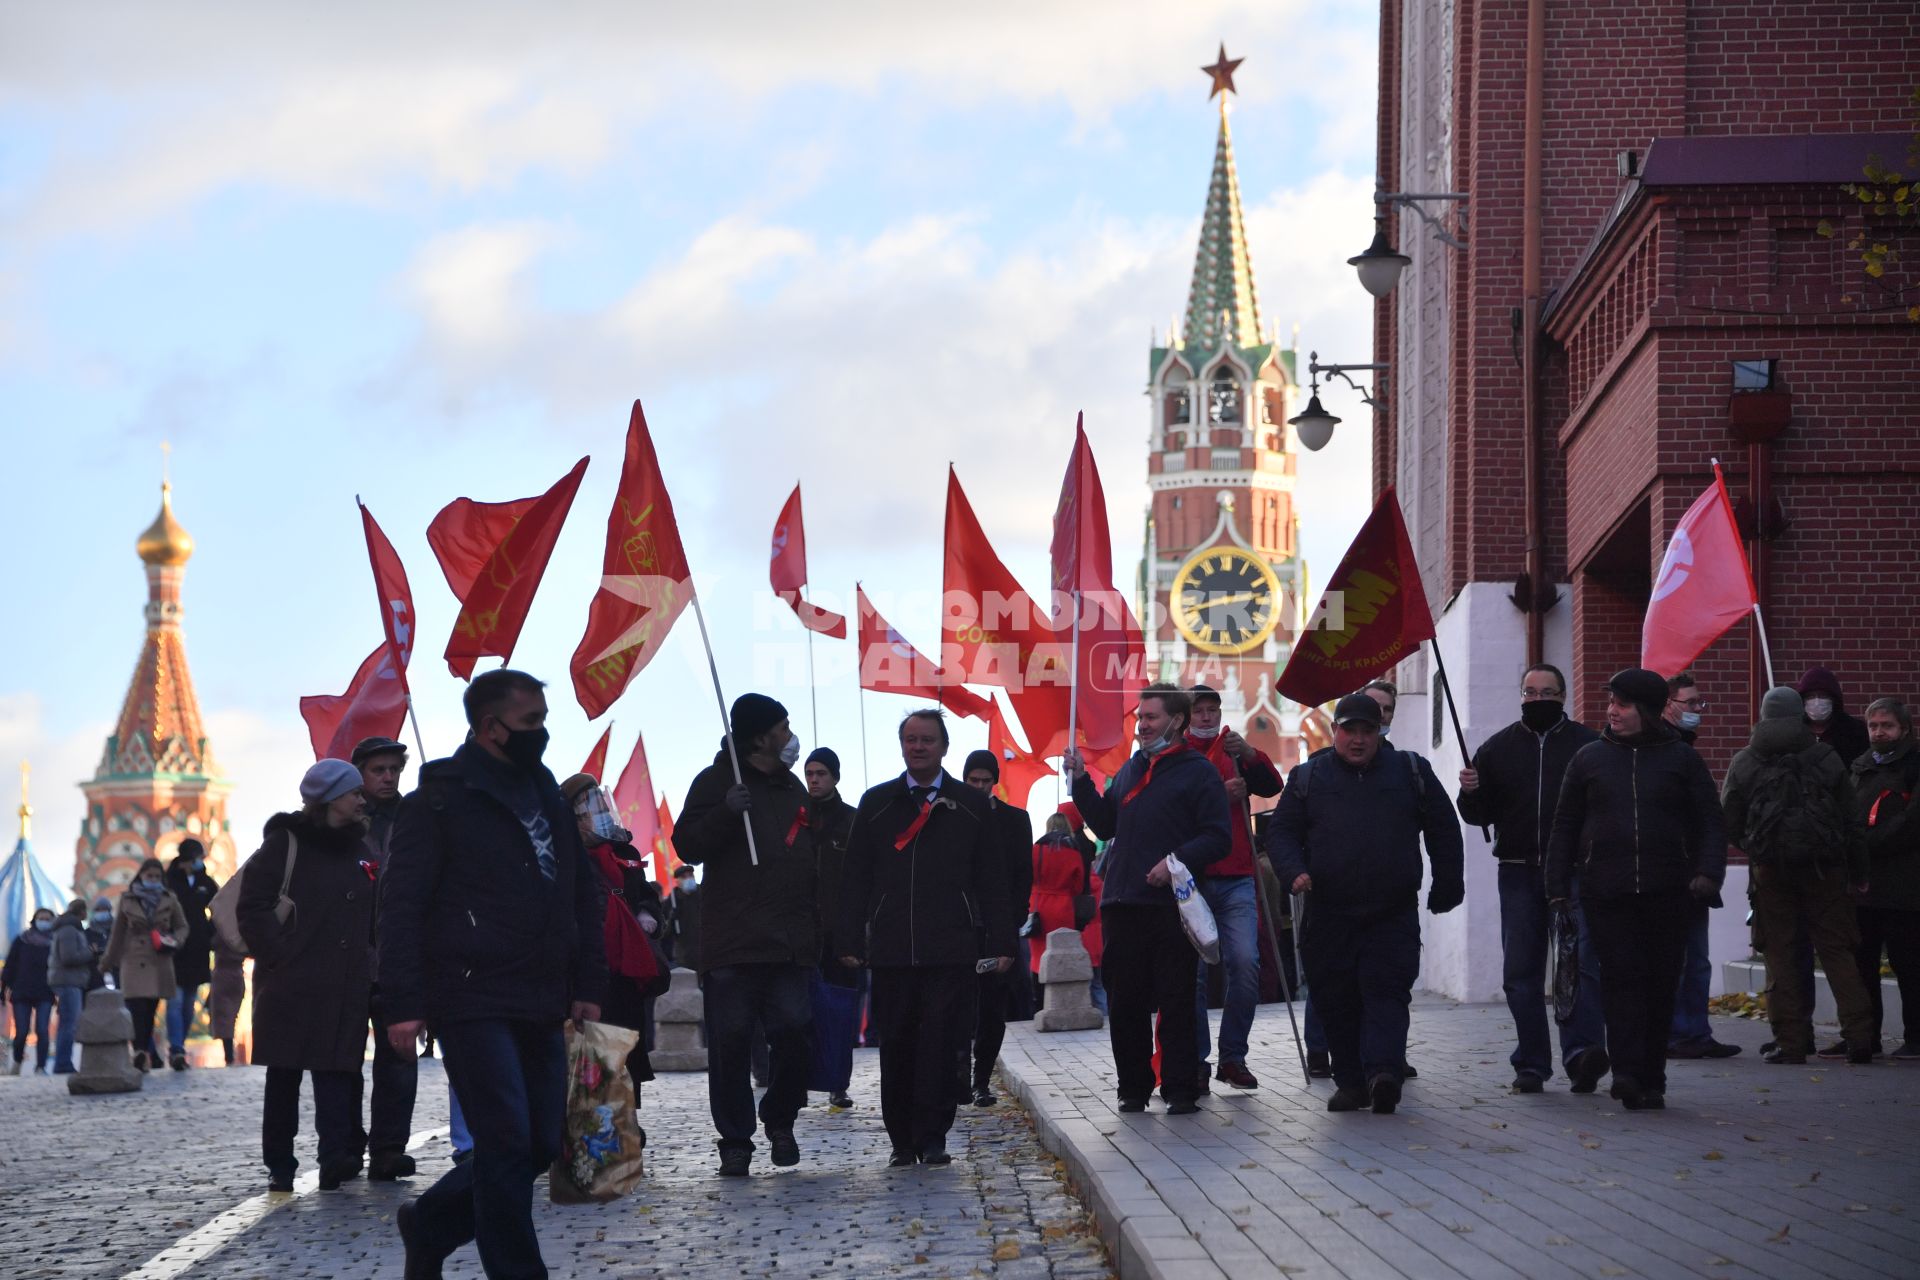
[1219, 602]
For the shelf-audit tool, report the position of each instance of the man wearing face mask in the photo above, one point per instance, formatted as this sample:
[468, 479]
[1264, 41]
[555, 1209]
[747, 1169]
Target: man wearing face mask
[760, 933]
[396, 1075]
[1387, 694]
[490, 920]
[1229, 890]
[1513, 785]
[24, 981]
[1692, 1034]
[1886, 784]
[1827, 715]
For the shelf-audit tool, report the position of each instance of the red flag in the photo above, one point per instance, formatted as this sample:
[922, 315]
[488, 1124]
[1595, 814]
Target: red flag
[1373, 613]
[992, 632]
[1020, 769]
[493, 555]
[888, 664]
[788, 571]
[645, 583]
[596, 764]
[633, 797]
[1112, 651]
[1704, 585]
[374, 705]
[664, 858]
[396, 597]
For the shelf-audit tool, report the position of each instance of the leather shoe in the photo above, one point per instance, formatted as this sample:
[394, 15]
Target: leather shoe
[281, 1182]
[331, 1176]
[735, 1161]
[1183, 1107]
[1586, 1069]
[1627, 1090]
[418, 1265]
[1237, 1075]
[385, 1166]
[935, 1153]
[786, 1151]
[1527, 1082]
[1131, 1105]
[1319, 1064]
[1384, 1089]
[902, 1158]
[1347, 1100]
[983, 1096]
[1778, 1057]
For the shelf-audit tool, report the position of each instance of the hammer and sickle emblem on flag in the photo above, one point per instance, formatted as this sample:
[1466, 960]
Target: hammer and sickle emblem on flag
[1675, 567]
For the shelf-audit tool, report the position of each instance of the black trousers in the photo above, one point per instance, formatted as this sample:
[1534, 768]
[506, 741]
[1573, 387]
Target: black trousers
[396, 1079]
[1898, 934]
[1641, 940]
[141, 1009]
[998, 1004]
[922, 1014]
[740, 1000]
[1361, 970]
[336, 1119]
[1149, 966]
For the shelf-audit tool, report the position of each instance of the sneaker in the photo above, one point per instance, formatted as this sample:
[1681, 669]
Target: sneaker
[1716, 1049]
[983, 1096]
[1183, 1107]
[902, 1159]
[1835, 1052]
[1779, 1057]
[840, 1101]
[1129, 1106]
[1653, 1102]
[1384, 1089]
[734, 1161]
[1528, 1082]
[786, 1151]
[935, 1153]
[1347, 1100]
[1909, 1051]
[280, 1182]
[1319, 1064]
[1769, 1047]
[1861, 1056]
[1237, 1075]
[385, 1166]
[178, 1062]
[1587, 1067]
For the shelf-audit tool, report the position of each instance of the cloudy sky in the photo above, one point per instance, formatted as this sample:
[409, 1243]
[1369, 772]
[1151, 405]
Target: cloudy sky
[417, 251]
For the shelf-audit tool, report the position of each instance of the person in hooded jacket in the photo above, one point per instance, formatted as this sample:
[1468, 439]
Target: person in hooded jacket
[1638, 822]
[1060, 875]
[188, 881]
[23, 981]
[760, 937]
[1167, 801]
[490, 934]
[70, 968]
[311, 976]
[1513, 785]
[148, 915]
[922, 905]
[1789, 806]
[1827, 717]
[1886, 785]
[1348, 833]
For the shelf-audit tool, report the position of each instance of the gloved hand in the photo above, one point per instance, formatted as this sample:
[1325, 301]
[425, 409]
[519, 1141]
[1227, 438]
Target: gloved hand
[1442, 899]
[739, 799]
[1704, 889]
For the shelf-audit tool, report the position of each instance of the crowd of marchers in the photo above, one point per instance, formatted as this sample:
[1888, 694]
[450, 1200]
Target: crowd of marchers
[483, 910]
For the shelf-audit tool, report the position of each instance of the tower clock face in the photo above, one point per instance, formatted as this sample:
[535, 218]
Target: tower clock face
[1225, 600]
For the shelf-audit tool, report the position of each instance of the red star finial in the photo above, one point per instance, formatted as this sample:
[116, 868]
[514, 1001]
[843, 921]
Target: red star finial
[1222, 73]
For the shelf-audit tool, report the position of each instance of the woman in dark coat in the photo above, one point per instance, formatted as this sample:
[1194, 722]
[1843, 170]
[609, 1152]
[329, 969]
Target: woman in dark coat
[311, 976]
[188, 881]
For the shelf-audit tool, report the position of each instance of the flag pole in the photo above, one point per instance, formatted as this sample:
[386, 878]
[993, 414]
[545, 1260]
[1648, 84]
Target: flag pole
[726, 727]
[1766, 654]
[1453, 713]
[415, 720]
[1073, 691]
[866, 774]
[813, 689]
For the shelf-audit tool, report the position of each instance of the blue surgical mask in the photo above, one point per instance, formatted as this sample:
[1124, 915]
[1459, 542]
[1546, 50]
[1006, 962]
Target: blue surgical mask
[1688, 720]
[103, 917]
[44, 926]
[1386, 730]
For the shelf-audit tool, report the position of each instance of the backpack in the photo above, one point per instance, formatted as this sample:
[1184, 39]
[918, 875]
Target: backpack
[224, 910]
[1793, 820]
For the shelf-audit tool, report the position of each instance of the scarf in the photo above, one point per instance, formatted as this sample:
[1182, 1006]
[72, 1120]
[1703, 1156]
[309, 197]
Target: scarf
[148, 896]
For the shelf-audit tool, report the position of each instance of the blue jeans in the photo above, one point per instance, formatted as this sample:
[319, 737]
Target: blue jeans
[37, 1015]
[1524, 921]
[180, 1017]
[511, 1079]
[70, 1000]
[457, 1131]
[1696, 976]
[1237, 914]
[1097, 991]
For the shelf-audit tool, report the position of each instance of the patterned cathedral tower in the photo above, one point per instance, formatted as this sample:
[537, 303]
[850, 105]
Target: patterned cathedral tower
[1222, 581]
[157, 782]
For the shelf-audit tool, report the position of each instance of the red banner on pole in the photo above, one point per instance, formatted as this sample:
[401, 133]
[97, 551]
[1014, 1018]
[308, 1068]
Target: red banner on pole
[1704, 585]
[596, 764]
[889, 664]
[787, 571]
[1373, 614]
[1112, 653]
[374, 705]
[396, 596]
[634, 802]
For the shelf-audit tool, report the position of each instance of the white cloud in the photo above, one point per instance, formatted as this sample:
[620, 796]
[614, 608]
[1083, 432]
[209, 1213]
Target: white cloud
[468, 281]
[59, 760]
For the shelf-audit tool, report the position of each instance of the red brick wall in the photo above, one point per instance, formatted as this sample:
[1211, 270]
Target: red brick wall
[1832, 67]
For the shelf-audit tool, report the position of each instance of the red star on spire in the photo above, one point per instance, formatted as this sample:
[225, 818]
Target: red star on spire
[1222, 73]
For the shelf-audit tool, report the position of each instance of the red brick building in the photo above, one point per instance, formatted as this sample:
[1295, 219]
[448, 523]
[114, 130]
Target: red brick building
[1645, 191]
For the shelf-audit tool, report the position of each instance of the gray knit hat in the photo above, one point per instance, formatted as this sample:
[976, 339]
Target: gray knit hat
[328, 780]
[1782, 703]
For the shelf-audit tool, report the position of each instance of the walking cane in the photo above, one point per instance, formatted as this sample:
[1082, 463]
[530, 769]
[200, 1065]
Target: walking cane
[1267, 874]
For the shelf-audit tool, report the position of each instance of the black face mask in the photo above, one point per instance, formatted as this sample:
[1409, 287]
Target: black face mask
[525, 747]
[1541, 715]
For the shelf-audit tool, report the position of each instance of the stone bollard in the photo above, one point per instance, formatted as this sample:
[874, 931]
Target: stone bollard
[676, 1026]
[106, 1057]
[1066, 978]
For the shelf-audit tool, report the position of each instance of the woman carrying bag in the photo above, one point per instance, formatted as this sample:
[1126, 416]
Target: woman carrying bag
[306, 912]
[147, 929]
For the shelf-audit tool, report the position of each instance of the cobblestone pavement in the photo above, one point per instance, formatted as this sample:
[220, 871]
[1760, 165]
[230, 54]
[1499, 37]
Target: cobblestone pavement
[1753, 1171]
[128, 1176]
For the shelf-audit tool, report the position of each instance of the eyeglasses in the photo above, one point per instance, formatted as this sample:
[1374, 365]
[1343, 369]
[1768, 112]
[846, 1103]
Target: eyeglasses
[1698, 704]
[1540, 695]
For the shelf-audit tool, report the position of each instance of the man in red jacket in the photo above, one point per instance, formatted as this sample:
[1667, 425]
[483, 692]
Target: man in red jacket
[1229, 889]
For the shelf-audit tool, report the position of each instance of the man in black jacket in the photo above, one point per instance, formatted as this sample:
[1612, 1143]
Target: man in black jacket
[187, 880]
[831, 821]
[1347, 831]
[490, 921]
[760, 936]
[1513, 786]
[1639, 823]
[1166, 801]
[922, 905]
[396, 1075]
[1001, 992]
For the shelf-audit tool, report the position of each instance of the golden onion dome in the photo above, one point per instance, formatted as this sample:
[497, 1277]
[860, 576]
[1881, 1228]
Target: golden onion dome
[165, 542]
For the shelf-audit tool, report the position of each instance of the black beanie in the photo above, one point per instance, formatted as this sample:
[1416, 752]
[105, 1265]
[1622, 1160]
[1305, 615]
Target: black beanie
[826, 756]
[1646, 689]
[982, 759]
[753, 715]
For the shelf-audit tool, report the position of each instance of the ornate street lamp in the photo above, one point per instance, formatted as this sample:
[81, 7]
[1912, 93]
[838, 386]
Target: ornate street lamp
[1313, 425]
[1380, 266]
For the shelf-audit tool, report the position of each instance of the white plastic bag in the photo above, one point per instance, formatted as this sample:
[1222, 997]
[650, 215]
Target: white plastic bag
[1196, 917]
